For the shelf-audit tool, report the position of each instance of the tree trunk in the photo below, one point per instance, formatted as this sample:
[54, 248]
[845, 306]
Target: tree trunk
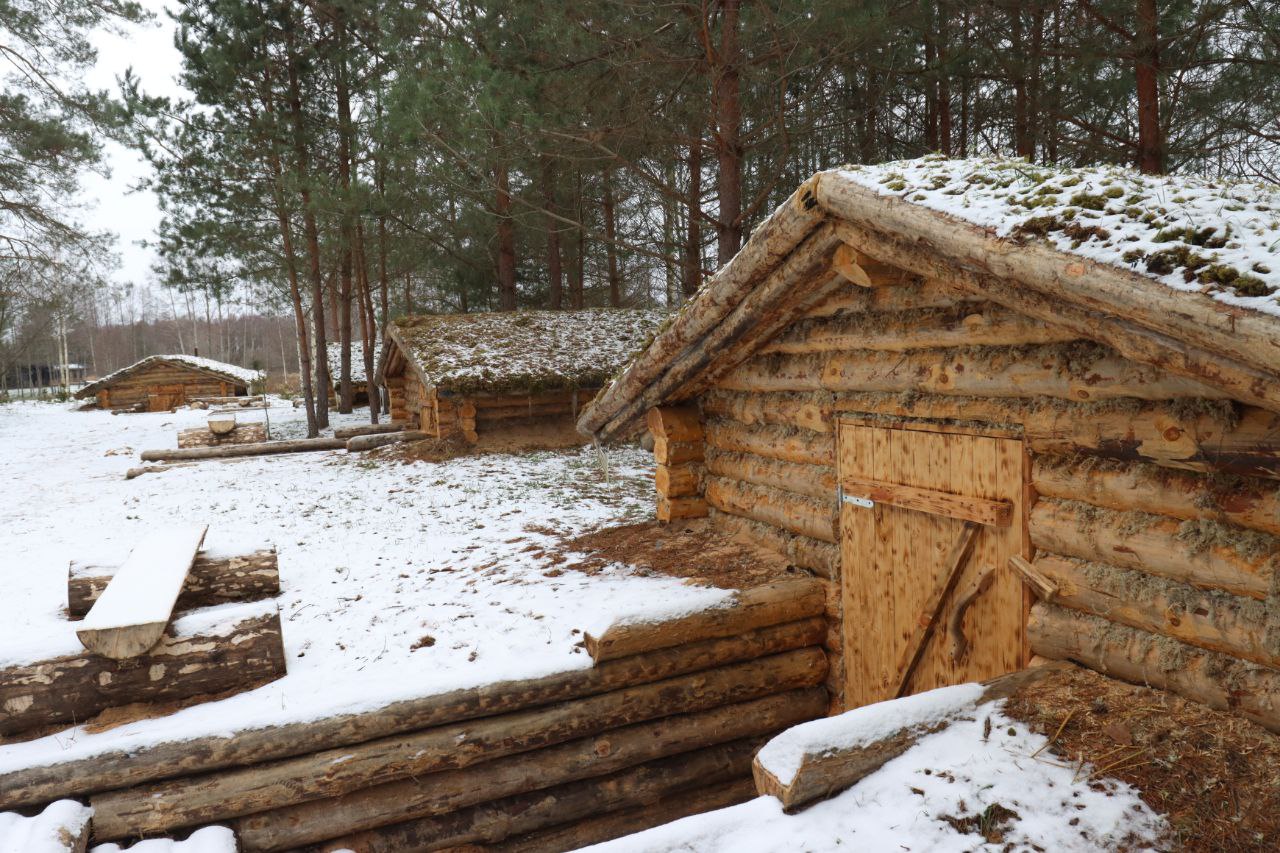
[1150, 158]
[726, 97]
[555, 273]
[691, 264]
[611, 240]
[506, 237]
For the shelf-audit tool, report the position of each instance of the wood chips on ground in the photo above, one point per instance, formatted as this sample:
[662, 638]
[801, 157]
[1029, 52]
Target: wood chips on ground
[690, 549]
[1214, 775]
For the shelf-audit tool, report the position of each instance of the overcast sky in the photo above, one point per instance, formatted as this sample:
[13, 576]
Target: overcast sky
[132, 216]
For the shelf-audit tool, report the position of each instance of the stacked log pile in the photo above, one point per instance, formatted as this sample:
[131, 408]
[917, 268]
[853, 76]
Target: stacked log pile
[1159, 508]
[678, 447]
[666, 722]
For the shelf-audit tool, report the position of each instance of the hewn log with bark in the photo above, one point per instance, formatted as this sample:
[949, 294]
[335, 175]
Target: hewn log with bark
[214, 578]
[822, 558]
[674, 509]
[813, 481]
[1248, 445]
[810, 411]
[922, 293]
[1217, 680]
[963, 326]
[450, 791]
[769, 604]
[1211, 620]
[1155, 545]
[361, 443]
[616, 824]
[828, 764]
[771, 442]
[990, 410]
[816, 518]
[493, 822]
[330, 773]
[676, 452]
[678, 481]
[367, 429]
[521, 410]
[768, 247]
[675, 423]
[1196, 319]
[239, 652]
[266, 448]
[167, 759]
[132, 613]
[1252, 503]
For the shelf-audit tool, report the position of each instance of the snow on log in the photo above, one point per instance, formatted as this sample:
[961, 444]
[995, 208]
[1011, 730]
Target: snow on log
[201, 799]
[493, 822]
[234, 647]
[769, 604]
[450, 791]
[172, 758]
[214, 578]
[345, 433]
[1210, 678]
[823, 757]
[210, 839]
[266, 448]
[132, 612]
[1155, 545]
[1143, 487]
[611, 825]
[63, 827]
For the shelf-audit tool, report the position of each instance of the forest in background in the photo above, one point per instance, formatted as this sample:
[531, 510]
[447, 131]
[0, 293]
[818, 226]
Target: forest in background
[342, 163]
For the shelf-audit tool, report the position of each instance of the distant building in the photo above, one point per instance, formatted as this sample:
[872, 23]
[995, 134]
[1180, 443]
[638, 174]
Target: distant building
[158, 383]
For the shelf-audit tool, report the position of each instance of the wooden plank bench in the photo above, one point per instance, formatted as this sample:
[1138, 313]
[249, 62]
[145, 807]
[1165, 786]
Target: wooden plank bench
[130, 616]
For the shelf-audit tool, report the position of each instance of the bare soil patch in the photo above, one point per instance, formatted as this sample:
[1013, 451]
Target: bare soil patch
[518, 436]
[1214, 775]
[691, 549]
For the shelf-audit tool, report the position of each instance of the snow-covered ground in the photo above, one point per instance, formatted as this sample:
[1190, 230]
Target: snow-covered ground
[399, 580]
[961, 789]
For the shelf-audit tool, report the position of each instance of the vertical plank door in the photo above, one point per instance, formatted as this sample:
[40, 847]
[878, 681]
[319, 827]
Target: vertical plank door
[929, 597]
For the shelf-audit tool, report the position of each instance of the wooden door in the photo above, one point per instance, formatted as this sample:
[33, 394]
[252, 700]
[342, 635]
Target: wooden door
[162, 398]
[929, 598]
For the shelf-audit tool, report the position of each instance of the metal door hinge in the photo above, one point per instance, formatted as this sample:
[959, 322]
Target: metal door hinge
[865, 503]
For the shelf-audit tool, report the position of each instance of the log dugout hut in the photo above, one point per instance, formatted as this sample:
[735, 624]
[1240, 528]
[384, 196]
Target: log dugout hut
[1004, 412]
[359, 376]
[457, 376]
[159, 383]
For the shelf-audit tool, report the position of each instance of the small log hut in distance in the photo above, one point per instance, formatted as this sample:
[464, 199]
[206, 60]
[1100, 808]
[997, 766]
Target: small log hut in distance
[159, 383]
[1005, 411]
[460, 375]
[359, 376]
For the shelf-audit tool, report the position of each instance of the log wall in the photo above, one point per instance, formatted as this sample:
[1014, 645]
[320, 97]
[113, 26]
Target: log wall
[1158, 502]
[669, 724]
[135, 388]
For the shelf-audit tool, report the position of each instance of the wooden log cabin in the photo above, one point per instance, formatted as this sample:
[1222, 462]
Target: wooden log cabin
[1004, 411]
[359, 376]
[159, 383]
[458, 376]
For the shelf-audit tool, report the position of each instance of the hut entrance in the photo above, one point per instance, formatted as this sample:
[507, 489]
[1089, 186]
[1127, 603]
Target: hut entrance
[929, 519]
[162, 398]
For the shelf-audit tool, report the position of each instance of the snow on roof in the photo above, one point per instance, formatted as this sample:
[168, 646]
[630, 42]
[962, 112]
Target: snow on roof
[241, 375]
[358, 373]
[1194, 234]
[526, 350]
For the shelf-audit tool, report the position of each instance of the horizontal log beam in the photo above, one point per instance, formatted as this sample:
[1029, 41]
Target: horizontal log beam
[167, 759]
[814, 518]
[810, 411]
[1211, 620]
[931, 501]
[450, 791]
[821, 558]
[678, 481]
[673, 509]
[675, 423]
[228, 656]
[266, 448]
[1151, 544]
[1143, 487]
[772, 442]
[1217, 680]
[813, 481]
[750, 609]
[918, 294]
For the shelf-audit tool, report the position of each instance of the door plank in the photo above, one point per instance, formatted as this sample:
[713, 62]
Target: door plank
[928, 619]
[932, 501]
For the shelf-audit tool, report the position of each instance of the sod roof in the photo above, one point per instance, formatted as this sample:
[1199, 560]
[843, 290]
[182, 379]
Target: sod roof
[221, 370]
[524, 351]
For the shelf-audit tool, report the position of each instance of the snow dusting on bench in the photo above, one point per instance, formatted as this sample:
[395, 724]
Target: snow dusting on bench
[1190, 233]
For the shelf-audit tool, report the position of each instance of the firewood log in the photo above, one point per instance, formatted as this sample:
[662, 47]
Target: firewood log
[236, 654]
[215, 578]
[1143, 487]
[511, 816]
[769, 604]
[1153, 545]
[451, 791]
[203, 799]
[301, 445]
[173, 758]
[1217, 680]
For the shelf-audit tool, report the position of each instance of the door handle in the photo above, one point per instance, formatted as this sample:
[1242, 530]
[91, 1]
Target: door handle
[955, 625]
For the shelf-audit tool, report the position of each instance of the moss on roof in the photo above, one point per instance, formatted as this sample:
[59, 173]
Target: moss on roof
[525, 351]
